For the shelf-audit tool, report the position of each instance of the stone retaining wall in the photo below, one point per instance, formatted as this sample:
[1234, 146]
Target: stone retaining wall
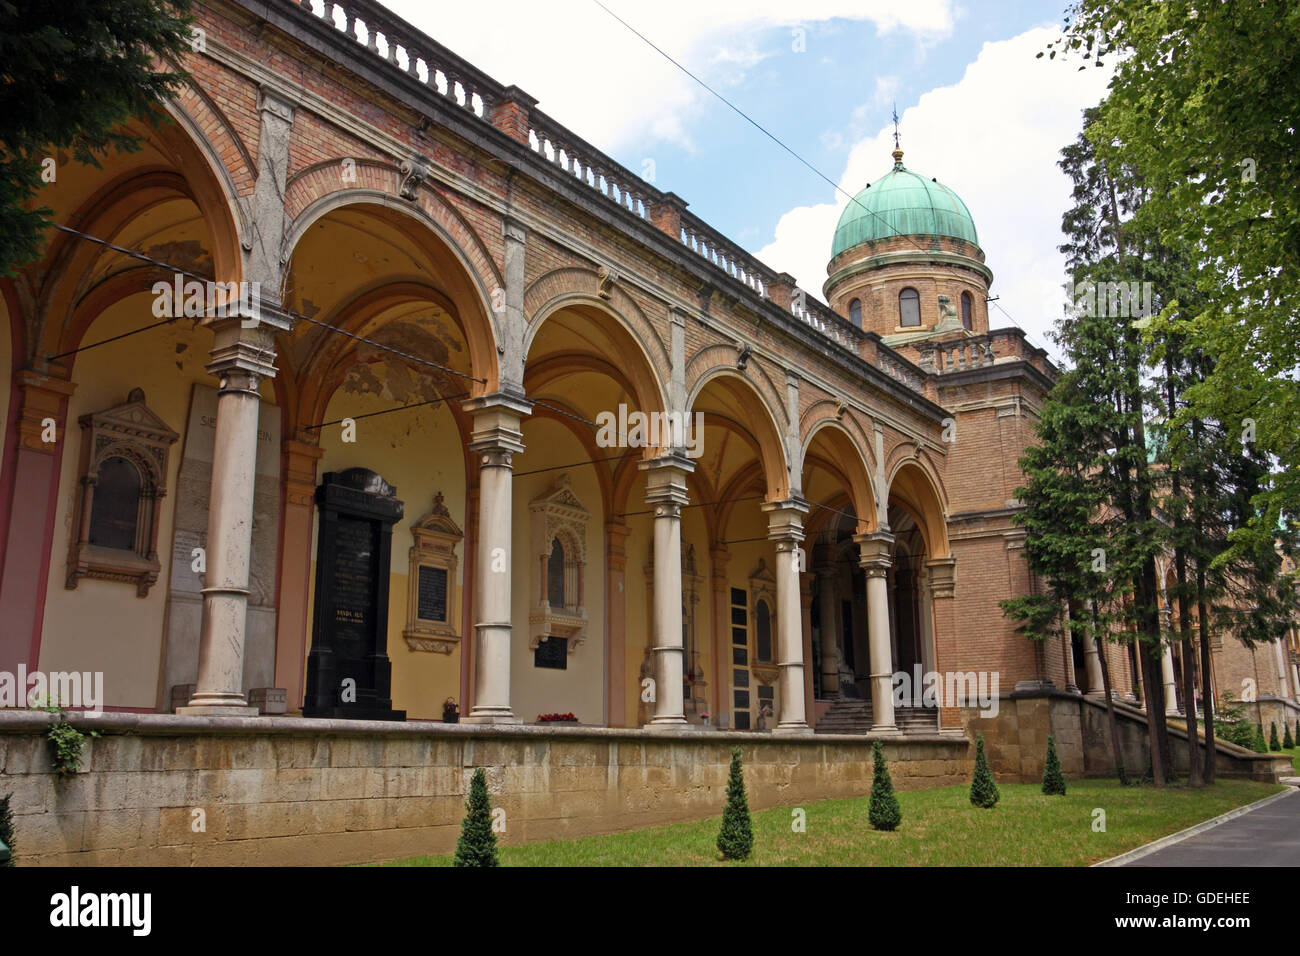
[294, 791]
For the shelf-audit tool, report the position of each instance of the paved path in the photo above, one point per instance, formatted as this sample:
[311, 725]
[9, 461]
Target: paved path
[1267, 836]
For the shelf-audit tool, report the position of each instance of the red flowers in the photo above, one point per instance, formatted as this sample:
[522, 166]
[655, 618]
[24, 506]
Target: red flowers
[556, 718]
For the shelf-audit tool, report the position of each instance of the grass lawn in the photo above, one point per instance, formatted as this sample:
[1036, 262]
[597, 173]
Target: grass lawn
[1294, 752]
[940, 828]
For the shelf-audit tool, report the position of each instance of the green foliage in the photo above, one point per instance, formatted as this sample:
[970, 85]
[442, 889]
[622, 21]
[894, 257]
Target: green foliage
[1230, 723]
[1053, 778]
[1184, 73]
[983, 791]
[73, 73]
[477, 845]
[66, 743]
[1273, 742]
[1258, 743]
[884, 812]
[736, 838]
[1287, 741]
[7, 828]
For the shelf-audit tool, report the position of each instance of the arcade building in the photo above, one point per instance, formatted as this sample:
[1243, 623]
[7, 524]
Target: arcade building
[376, 487]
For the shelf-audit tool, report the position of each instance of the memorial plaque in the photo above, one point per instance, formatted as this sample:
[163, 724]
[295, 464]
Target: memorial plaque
[432, 594]
[348, 670]
[552, 652]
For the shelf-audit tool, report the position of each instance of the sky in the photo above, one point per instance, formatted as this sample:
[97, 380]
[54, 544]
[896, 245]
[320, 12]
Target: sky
[977, 109]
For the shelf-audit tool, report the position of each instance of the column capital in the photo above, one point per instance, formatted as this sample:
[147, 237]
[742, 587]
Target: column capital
[42, 396]
[785, 521]
[666, 480]
[514, 231]
[497, 436]
[240, 365]
[943, 577]
[873, 550]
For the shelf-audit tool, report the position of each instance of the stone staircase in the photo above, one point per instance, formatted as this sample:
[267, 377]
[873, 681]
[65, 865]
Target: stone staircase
[852, 716]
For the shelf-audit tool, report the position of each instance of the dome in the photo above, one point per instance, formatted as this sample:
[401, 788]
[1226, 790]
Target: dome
[903, 203]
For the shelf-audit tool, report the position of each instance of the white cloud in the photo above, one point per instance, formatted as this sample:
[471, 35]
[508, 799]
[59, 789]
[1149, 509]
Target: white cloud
[591, 74]
[994, 137]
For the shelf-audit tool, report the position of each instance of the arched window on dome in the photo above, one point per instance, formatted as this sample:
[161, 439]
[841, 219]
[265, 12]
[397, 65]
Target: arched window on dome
[909, 308]
[967, 318]
[855, 312]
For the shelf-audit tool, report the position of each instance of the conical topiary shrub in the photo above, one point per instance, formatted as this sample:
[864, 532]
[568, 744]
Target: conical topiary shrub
[7, 828]
[1287, 742]
[1259, 744]
[477, 845]
[736, 838]
[1297, 732]
[983, 791]
[1053, 778]
[885, 813]
[1273, 742]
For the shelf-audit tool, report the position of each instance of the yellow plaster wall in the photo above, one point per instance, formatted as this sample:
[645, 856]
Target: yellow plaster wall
[579, 689]
[419, 451]
[102, 625]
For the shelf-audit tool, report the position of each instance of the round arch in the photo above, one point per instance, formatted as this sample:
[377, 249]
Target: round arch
[853, 462]
[760, 421]
[913, 487]
[466, 286]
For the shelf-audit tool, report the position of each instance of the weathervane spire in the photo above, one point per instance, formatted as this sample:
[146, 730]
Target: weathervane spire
[898, 151]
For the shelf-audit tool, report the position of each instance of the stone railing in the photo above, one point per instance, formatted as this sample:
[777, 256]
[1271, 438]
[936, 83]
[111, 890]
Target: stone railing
[957, 355]
[900, 370]
[453, 79]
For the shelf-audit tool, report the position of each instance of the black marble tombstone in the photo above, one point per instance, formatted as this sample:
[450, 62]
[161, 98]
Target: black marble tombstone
[348, 670]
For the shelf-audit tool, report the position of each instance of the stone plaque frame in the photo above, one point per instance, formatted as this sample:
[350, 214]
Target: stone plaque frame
[130, 431]
[436, 536]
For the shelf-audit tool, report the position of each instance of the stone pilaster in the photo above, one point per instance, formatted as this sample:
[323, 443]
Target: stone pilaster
[497, 437]
[830, 645]
[666, 494]
[943, 591]
[874, 558]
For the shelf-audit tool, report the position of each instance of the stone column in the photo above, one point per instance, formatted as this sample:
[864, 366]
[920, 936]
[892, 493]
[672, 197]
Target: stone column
[1167, 674]
[1092, 664]
[805, 635]
[874, 559]
[721, 687]
[666, 494]
[1280, 656]
[495, 440]
[829, 644]
[241, 358]
[785, 530]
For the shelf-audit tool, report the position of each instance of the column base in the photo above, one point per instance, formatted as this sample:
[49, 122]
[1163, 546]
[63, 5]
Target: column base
[887, 729]
[216, 710]
[491, 717]
[793, 730]
[667, 723]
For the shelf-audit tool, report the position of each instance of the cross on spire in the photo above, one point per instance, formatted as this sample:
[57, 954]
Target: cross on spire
[896, 146]
[898, 150]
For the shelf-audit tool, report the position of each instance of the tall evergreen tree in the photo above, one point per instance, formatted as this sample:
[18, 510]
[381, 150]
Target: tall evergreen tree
[983, 791]
[7, 829]
[1053, 777]
[884, 812]
[477, 845]
[73, 72]
[736, 837]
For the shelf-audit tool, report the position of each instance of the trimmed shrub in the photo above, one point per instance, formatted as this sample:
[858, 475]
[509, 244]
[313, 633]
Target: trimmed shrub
[1259, 744]
[1053, 778]
[1287, 742]
[885, 813]
[477, 845]
[1273, 742]
[983, 791]
[736, 838]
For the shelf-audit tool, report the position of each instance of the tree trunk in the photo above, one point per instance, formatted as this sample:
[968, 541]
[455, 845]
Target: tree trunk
[1207, 691]
[1189, 690]
[1100, 640]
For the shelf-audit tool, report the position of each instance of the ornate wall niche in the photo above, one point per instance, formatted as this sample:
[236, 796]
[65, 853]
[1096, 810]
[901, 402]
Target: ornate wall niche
[559, 536]
[123, 471]
[432, 611]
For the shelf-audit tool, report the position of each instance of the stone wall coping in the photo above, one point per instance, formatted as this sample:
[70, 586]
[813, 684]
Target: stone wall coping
[172, 725]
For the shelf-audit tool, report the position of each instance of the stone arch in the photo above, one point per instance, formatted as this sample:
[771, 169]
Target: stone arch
[648, 381]
[761, 421]
[552, 291]
[723, 356]
[852, 460]
[468, 268]
[917, 490]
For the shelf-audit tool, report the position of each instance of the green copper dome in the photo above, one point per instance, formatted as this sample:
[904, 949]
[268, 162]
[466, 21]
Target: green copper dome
[903, 203]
